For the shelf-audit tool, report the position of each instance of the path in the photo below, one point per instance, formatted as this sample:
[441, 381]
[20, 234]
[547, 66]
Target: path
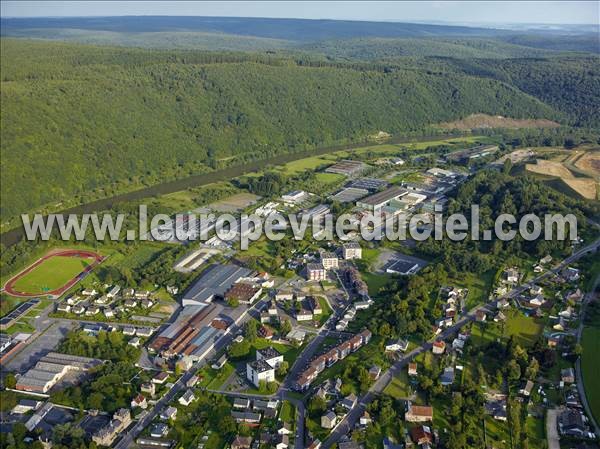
[552, 428]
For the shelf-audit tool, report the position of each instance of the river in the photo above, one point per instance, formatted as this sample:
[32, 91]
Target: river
[13, 236]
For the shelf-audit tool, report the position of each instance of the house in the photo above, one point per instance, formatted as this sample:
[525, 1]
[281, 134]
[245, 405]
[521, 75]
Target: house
[496, 408]
[26, 405]
[553, 341]
[526, 389]
[159, 430]
[418, 413]
[109, 313]
[439, 347]
[304, 315]
[375, 372]
[187, 398]
[502, 304]
[511, 276]
[328, 420]
[412, 369]
[396, 345]
[499, 317]
[148, 387]
[365, 419]
[480, 316]
[243, 292]
[265, 332]
[575, 296]
[241, 442]
[139, 401]
[285, 428]
[570, 274]
[192, 381]
[250, 418]
[241, 403]
[535, 290]
[447, 377]
[220, 362]
[315, 305]
[144, 331]
[128, 330]
[89, 292]
[351, 250]
[422, 436]
[282, 442]
[329, 261]
[458, 344]
[160, 378]
[92, 310]
[146, 304]
[130, 303]
[315, 272]
[62, 307]
[102, 300]
[567, 375]
[114, 291]
[316, 444]
[349, 401]
[169, 413]
[135, 342]
[270, 355]
[284, 295]
[258, 371]
[294, 197]
[571, 423]
[72, 300]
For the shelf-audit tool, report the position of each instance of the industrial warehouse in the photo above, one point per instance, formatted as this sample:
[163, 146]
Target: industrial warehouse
[51, 369]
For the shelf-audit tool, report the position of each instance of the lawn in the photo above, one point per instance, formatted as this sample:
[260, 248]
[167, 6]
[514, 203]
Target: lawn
[213, 379]
[526, 330]
[375, 281]
[51, 274]
[288, 413]
[479, 287]
[590, 365]
[399, 387]
[301, 165]
[142, 254]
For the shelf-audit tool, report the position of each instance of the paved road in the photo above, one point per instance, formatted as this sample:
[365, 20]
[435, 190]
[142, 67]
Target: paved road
[580, 386]
[356, 412]
[179, 385]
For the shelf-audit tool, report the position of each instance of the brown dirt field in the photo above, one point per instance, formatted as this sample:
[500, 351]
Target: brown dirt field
[478, 121]
[235, 203]
[549, 168]
[590, 163]
[587, 188]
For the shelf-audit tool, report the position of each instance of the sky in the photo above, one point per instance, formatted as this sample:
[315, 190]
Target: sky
[547, 12]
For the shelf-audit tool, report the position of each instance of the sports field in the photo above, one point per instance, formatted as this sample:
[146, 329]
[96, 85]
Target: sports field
[53, 274]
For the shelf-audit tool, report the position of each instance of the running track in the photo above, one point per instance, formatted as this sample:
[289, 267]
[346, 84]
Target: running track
[9, 287]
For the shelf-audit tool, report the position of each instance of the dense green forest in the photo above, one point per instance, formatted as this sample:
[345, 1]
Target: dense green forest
[82, 122]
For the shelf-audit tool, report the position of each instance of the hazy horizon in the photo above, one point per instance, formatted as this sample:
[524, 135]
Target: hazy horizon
[469, 13]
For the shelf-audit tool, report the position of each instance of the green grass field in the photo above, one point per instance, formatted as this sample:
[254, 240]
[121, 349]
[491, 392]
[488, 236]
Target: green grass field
[51, 274]
[590, 365]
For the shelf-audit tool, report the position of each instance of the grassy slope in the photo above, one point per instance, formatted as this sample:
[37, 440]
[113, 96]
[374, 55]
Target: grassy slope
[590, 365]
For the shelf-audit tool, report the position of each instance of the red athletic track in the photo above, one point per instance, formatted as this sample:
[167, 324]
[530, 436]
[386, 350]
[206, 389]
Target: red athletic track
[9, 286]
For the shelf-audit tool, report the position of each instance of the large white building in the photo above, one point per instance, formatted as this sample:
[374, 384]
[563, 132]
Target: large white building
[329, 260]
[258, 371]
[263, 368]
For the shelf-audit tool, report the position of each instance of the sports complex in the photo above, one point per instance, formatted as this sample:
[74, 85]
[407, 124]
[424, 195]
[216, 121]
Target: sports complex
[53, 274]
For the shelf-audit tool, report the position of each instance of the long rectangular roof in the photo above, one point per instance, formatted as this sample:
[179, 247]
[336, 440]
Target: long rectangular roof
[384, 196]
[215, 281]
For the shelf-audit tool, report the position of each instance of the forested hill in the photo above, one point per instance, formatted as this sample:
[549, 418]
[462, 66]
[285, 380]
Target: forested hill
[78, 119]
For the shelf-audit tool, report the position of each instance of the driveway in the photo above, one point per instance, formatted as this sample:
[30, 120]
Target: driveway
[552, 428]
